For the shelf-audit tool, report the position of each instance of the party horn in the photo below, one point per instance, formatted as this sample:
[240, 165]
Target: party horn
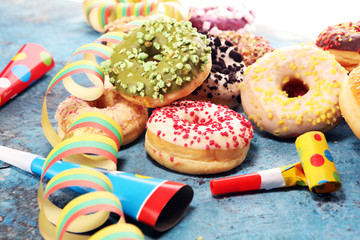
[30, 63]
[316, 170]
[154, 202]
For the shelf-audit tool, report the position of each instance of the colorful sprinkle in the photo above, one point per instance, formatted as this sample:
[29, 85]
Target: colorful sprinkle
[185, 118]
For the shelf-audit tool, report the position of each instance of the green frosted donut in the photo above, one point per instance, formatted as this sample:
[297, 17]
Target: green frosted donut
[160, 57]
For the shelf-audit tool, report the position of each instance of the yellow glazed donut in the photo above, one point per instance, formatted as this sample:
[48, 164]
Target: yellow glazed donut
[197, 137]
[131, 118]
[350, 101]
[159, 62]
[293, 90]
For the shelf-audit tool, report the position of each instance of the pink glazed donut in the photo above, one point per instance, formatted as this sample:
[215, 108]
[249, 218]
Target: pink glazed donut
[223, 18]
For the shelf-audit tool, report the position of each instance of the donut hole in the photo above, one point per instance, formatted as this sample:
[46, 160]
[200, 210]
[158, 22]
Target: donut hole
[295, 88]
[198, 120]
[103, 101]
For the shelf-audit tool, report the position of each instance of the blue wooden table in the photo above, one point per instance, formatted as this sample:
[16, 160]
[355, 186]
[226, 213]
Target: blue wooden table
[292, 213]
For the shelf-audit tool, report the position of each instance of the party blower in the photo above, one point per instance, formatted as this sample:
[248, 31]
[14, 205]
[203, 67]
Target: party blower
[316, 170]
[30, 63]
[155, 202]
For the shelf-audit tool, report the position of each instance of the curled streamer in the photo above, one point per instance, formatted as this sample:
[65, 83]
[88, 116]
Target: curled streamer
[90, 210]
[98, 13]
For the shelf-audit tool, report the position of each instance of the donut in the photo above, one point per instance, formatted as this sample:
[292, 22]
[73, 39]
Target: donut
[350, 100]
[131, 118]
[198, 137]
[99, 13]
[124, 24]
[342, 40]
[222, 84]
[251, 46]
[159, 62]
[293, 90]
[222, 17]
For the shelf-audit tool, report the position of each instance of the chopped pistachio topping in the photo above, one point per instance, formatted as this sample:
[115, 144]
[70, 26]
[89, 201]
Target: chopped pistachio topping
[159, 57]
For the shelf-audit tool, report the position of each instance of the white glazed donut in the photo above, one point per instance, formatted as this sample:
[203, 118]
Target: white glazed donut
[197, 137]
[293, 90]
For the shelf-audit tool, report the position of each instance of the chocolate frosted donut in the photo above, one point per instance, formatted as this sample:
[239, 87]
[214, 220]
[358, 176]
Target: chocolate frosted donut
[222, 84]
[342, 40]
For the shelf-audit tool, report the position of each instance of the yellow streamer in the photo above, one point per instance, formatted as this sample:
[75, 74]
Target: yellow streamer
[76, 217]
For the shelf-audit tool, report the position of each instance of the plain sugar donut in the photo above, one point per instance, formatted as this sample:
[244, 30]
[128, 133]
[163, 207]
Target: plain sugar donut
[197, 137]
[131, 118]
[293, 90]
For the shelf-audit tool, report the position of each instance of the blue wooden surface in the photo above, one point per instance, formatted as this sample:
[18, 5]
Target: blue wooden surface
[292, 213]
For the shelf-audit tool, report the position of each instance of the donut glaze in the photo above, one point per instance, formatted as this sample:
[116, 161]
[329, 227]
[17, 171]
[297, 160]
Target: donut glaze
[159, 62]
[198, 137]
[293, 90]
[222, 18]
[222, 84]
[343, 41]
[343, 36]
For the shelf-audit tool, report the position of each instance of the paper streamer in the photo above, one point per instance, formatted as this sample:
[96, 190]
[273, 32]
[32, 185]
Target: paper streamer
[98, 13]
[101, 202]
[90, 67]
[93, 150]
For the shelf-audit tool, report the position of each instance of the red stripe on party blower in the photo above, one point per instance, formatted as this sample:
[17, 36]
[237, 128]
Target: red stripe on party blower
[166, 205]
